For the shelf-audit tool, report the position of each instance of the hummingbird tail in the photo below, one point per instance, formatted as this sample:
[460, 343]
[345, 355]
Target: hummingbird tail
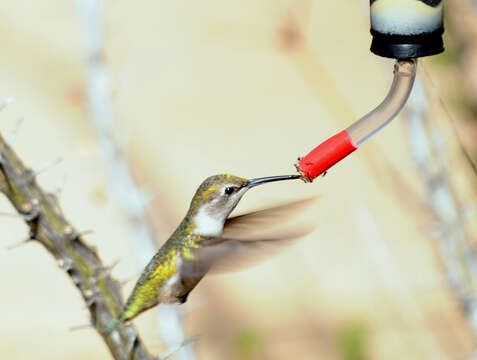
[112, 326]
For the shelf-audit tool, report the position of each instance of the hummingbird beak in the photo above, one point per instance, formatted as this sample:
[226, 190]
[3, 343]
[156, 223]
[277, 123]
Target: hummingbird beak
[254, 182]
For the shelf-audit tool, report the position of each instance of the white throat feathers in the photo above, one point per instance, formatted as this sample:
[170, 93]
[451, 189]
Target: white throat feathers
[207, 224]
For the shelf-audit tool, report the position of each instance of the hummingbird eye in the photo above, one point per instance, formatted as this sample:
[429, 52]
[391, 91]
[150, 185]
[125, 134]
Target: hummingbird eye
[229, 190]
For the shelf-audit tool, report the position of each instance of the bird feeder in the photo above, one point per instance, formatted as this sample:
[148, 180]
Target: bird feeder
[404, 30]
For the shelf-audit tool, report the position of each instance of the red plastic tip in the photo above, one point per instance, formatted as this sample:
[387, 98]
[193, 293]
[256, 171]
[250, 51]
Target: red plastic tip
[326, 155]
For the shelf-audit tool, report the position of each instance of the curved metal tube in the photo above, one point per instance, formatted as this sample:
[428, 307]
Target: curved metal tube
[371, 123]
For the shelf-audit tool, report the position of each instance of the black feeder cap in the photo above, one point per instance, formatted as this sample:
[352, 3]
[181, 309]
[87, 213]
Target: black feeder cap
[407, 46]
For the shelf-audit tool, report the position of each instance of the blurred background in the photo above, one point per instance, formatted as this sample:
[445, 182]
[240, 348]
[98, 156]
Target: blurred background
[144, 100]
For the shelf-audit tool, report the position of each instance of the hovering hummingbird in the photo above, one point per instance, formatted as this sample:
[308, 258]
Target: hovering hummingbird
[203, 242]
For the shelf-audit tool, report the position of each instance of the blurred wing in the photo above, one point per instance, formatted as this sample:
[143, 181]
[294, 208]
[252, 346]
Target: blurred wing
[226, 255]
[263, 219]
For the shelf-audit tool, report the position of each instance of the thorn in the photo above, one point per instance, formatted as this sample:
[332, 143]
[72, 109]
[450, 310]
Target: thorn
[29, 211]
[18, 244]
[105, 270]
[26, 217]
[91, 301]
[65, 264]
[81, 327]
[13, 134]
[26, 208]
[60, 186]
[113, 265]
[69, 231]
[73, 235]
[32, 215]
[14, 215]
[47, 166]
[124, 282]
[6, 102]
[74, 277]
[176, 348]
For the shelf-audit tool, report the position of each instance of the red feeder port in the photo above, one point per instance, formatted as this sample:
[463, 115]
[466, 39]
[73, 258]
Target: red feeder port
[326, 155]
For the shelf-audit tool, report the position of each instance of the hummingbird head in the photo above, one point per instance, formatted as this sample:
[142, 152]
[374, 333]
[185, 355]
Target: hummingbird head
[218, 196]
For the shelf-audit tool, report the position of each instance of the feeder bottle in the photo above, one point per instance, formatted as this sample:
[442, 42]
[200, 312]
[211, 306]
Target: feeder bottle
[406, 29]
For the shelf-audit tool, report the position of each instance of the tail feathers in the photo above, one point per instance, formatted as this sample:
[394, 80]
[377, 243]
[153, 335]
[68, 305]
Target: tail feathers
[112, 326]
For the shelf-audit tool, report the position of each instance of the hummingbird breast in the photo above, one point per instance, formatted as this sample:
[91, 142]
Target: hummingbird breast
[208, 224]
[172, 289]
[166, 269]
[164, 279]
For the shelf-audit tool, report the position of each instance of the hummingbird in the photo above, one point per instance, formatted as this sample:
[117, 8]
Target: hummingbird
[204, 241]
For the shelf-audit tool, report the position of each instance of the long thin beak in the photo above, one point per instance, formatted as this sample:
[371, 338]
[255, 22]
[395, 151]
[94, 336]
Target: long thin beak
[264, 180]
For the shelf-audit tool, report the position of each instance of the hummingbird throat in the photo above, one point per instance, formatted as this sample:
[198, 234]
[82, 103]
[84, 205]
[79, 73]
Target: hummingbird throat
[208, 223]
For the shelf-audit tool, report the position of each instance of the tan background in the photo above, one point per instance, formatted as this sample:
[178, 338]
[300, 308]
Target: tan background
[205, 87]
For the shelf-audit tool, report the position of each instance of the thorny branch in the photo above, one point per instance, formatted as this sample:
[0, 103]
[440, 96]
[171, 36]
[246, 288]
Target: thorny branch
[43, 215]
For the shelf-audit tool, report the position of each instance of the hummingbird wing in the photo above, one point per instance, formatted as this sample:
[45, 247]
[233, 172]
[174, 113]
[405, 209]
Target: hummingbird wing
[240, 225]
[219, 254]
